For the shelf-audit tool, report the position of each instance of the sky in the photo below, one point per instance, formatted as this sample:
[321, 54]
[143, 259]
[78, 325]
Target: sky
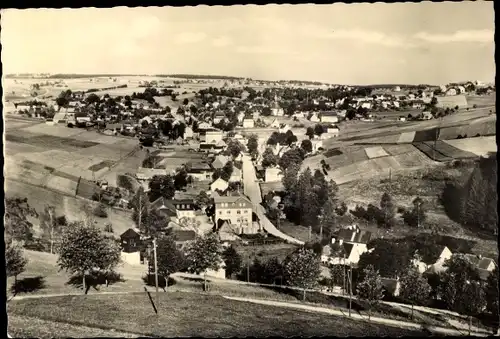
[404, 43]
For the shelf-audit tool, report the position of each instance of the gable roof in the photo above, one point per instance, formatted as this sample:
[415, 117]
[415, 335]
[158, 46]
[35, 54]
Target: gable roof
[219, 180]
[184, 235]
[355, 236]
[229, 199]
[130, 233]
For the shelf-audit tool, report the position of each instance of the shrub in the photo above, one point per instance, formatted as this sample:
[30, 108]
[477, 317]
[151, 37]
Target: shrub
[100, 211]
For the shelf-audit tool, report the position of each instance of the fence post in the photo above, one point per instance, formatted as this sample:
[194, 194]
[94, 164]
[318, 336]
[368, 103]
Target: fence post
[78, 185]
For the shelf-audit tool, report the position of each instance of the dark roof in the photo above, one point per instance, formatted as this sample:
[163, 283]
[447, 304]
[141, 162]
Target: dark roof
[130, 233]
[184, 235]
[329, 113]
[390, 285]
[484, 263]
[359, 236]
[340, 250]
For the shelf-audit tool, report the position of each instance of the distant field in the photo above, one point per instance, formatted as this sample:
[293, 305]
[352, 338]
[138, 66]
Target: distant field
[482, 100]
[477, 146]
[432, 152]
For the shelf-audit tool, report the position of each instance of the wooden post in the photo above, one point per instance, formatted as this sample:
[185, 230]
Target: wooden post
[156, 273]
[310, 233]
[350, 288]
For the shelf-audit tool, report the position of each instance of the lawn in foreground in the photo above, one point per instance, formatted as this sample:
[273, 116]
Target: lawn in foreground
[184, 314]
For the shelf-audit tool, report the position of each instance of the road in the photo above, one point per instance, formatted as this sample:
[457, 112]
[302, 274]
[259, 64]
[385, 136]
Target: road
[385, 321]
[252, 190]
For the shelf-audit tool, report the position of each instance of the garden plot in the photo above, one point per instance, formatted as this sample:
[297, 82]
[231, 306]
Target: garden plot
[426, 135]
[13, 124]
[450, 151]
[399, 149]
[481, 129]
[14, 148]
[406, 137]
[95, 137]
[56, 131]
[350, 155]
[26, 171]
[480, 146]
[431, 152]
[375, 152]
[452, 132]
[61, 184]
[384, 139]
[413, 159]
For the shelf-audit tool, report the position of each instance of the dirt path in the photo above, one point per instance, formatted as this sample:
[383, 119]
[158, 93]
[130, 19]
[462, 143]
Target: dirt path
[385, 321]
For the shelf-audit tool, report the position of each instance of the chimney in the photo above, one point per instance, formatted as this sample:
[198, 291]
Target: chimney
[353, 235]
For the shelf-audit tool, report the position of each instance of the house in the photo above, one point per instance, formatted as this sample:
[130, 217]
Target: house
[283, 128]
[188, 133]
[333, 131]
[438, 266]
[183, 237]
[391, 286]
[417, 104]
[397, 89]
[220, 161]
[460, 90]
[213, 137]
[277, 111]
[219, 117]
[395, 104]
[366, 104]
[273, 174]
[241, 117]
[200, 171]
[483, 265]
[131, 240]
[427, 115]
[314, 117]
[236, 209]
[299, 115]
[182, 208]
[347, 246]
[402, 118]
[330, 117]
[219, 184]
[236, 175]
[275, 124]
[256, 115]
[317, 144]
[248, 123]
[204, 126]
[144, 174]
[451, 91]
[226, 231]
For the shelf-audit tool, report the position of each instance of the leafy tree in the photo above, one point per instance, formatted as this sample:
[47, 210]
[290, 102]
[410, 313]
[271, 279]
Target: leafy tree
[328, 221]
[100, 211]
[338, 275]
[17, 225]
[290, 176]
[417, 215]
[290, 138]
[84, 249]
[318, 129]
[310, 132]
[161, 186]
[272, 270]
[342, 209]
[370, 288]
[203, 199]
[204, 253]
[234, 148]
[180, 179]
[15, 263]
[168, 257]
[269, 159]
[50, 226]
[388, 211]
[232, 259]
[491, 292]
[294, 155]
[414, 288]
[390, 258]
[185, 101]
[460, 272]
[306, 145]
[253, 144]
[302, 269]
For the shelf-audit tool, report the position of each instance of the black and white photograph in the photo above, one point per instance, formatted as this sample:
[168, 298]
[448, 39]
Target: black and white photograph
[307, 170]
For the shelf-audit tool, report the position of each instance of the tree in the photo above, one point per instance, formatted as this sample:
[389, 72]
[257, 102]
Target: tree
[185, 101]
[328, 221]
[342, 209]
[169, 258]
[100, 211]
[294, 155]
[318, 129]
[414, 287]
[290, 177]
[161, 186]
[290, 138]
[387, 211]
[253, 144]
[202, 199]
[269, 159]
[351, 114]
[370, 288]
[84, 249]
[390, 258]
[17, 212]
[491, 292]
[232, 260]
[180, 179]
[204, 253]
[310, 132]
[234, 148]
[434, 101]
[50, 226]
[306, 145]
[15, 263]
[417, 215]
[302, 269]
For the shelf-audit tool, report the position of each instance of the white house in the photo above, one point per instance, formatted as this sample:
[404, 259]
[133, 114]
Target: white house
[241, 117]
[451, 91]
[438, 266]
[329, 117]
[397, 89]
[219, 184]
[333, 131]
[277, 111]
[347, 247]
[188, 133]
[213, 137]
[314, 118]
[283, 128]
[273, 174]
[236, 175]
[402, 118]
[248, 123]
[367, 105]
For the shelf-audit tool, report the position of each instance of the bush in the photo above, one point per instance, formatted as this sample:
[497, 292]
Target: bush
[108, 228]
[100, 211]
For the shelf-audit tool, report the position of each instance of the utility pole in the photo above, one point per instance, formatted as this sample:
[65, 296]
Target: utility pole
[248, 268]
[350, 288]
[310, 233]
[156, 274]
[51, 216]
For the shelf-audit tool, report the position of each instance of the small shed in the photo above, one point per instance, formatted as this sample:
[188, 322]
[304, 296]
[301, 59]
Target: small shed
[131, 240]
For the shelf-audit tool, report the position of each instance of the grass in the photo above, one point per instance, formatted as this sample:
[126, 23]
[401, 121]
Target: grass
[134, 313]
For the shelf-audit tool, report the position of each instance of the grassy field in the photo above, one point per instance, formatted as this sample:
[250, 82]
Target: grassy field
[477, 146]
[182, 314]
[69, 206]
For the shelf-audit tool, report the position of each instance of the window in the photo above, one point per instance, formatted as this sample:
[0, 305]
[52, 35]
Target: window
[238, 212]
[220, 212]
[246, 211]
[228, 212]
